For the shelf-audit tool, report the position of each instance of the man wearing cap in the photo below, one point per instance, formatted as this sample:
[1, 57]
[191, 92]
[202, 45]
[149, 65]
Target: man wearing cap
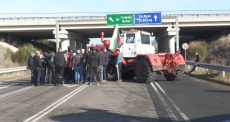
[77, 66]
[31, 65]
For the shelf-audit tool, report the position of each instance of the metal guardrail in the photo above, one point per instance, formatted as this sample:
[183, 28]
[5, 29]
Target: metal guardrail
[211, 66]
[14, 69]
[102, 15]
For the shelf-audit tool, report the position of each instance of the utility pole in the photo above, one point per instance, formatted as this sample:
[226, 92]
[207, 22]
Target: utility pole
[57, 35]
[177, 34]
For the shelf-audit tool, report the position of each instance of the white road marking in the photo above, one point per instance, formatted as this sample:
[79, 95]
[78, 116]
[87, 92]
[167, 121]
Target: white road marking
[173, 103]
[3, 87]
[16, 91]
[69, 85]
[169, 111]
[54, 105]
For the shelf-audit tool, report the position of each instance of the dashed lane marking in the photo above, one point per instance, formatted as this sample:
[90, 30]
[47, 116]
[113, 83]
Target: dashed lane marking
[16, 91]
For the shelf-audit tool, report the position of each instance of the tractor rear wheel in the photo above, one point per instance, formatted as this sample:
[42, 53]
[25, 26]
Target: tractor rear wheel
[111, 70]
[128, 76]
[172, 77]
[143, 71]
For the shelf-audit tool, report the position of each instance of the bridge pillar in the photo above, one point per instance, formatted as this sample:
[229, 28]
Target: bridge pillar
[64, 44]
[84, 46]
[166, 40]
[78, 45]
[72, 44]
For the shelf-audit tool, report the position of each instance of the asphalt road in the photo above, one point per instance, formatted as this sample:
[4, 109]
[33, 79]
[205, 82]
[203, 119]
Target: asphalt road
[129, 101]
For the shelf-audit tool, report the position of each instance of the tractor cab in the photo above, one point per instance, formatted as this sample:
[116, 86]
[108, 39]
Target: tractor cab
[136, 42]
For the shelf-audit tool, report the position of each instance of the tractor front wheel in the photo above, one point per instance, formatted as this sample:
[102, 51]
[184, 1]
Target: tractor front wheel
[172, 77]
[143, 71]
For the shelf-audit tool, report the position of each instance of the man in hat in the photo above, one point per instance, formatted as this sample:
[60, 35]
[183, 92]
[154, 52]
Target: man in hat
[30, 65]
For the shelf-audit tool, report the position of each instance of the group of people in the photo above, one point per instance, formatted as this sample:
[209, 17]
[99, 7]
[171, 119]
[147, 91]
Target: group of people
[64, 67]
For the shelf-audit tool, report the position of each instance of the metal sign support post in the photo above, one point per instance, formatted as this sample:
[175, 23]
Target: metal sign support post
[57, 35]
[185, 55]
[177, 34]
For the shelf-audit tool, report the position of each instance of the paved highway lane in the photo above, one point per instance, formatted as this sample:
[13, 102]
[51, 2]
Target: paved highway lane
[191, 100]
[163, 101]
[111, 101]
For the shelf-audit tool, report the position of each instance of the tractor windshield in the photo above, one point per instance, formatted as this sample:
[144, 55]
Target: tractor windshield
[130, 38]
[145, 39]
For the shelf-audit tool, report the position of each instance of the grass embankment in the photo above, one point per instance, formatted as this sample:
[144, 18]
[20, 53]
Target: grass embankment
[214, 52]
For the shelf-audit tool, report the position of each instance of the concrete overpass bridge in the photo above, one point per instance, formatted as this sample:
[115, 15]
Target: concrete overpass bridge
[79, 27]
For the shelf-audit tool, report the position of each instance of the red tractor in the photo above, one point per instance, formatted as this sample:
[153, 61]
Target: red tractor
[140, 59]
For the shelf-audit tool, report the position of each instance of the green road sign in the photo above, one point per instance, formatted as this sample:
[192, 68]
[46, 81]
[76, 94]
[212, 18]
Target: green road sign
[120, 19]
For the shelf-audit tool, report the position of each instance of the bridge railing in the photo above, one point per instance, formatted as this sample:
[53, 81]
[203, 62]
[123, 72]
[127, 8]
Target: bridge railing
[102, 15]
[208, 67]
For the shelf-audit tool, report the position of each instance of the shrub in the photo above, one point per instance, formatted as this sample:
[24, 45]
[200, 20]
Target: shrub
[197, 46]
[21, 56]
[219, 51]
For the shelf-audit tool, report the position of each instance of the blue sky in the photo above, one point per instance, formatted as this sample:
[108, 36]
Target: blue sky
[41, 6]
[53, 6]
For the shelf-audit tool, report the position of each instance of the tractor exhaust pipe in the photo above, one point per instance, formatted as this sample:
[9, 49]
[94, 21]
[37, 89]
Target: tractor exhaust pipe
[102, 37]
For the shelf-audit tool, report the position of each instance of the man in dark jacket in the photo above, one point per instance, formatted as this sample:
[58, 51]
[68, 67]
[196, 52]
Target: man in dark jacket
[101, 63]
[37, 68]
[197, 60]
[44, 58]
[51, 68]
[77, 66]
[30, 65]
[106, 53]
[94, 61]
[60, 63]
[87, 74]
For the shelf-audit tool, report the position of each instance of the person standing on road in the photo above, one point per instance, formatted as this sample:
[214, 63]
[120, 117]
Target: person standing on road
[60, 63]
[106, 63]
[84, 65]
[77, 66]
[101, 64]
[94, 61]
[67, 71]
[87, 65]
[30, 65]
[44, 58]
[51, 68]
[119, 64]
[37, 68]
[197, 60]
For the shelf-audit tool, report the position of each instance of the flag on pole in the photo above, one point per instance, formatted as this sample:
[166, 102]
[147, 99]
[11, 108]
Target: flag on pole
[115, 39]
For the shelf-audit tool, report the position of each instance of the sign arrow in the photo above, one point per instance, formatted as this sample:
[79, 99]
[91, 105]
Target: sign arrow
[111, 19]
[155, 17]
